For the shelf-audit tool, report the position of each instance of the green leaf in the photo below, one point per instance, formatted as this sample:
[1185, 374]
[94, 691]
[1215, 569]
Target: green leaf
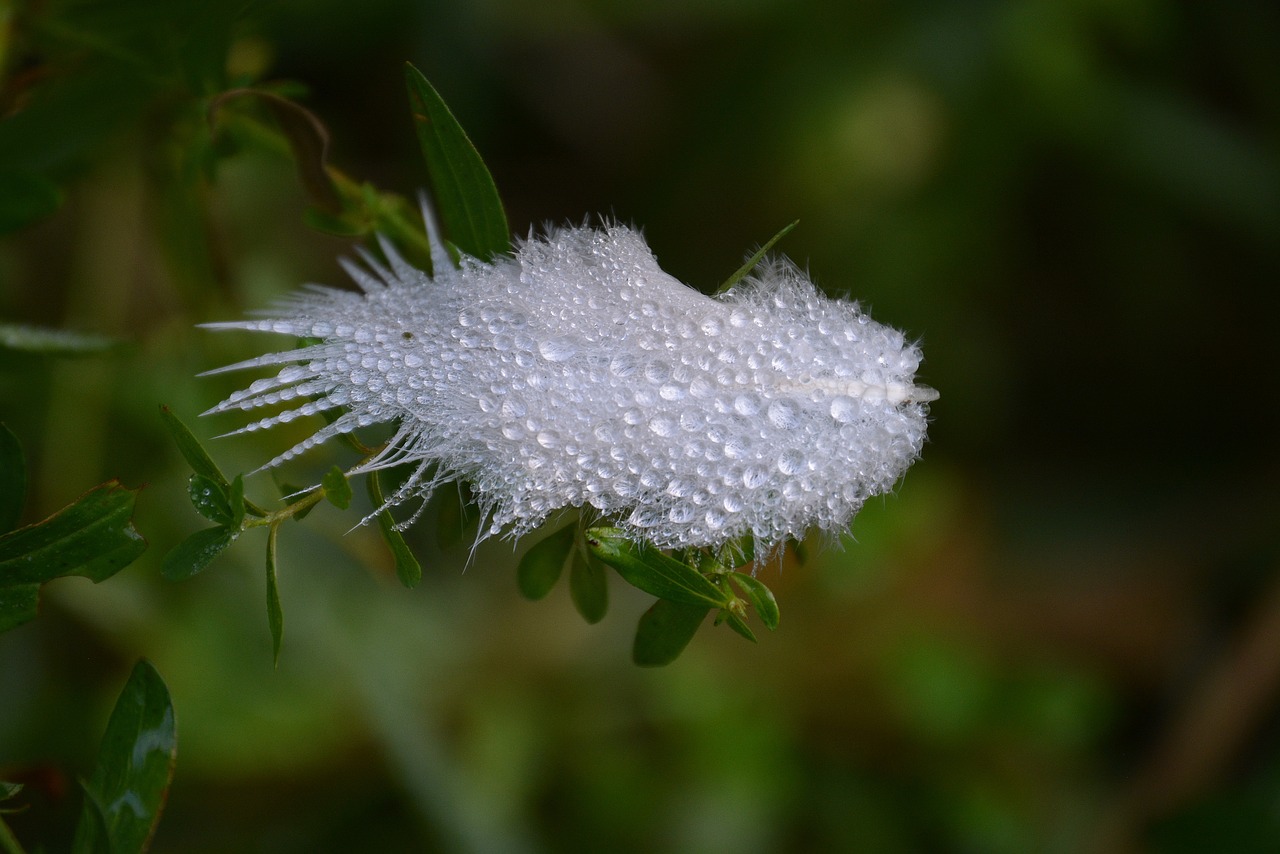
[462, 189]
[9, 790]
[275, 613]
[643, 566]
[746, 268]
[408, 570]
[194, 553]
[94, 537]
[24, 198]
[738, 625]
[210, 499]
[194, 453]
[664, 631]
[200, 461]
[54, 342]
[761, 598]
[237, 502]
[540, 568]
[13, 480]
[588, 586]
[336, 488]
[134, 769]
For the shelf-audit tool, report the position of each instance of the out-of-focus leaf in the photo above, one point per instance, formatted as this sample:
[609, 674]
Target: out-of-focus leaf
[751, 262]
[761, 598]
[9, 790]
[588, 586]
[540, 568]
[336, 488]
[408, 570]
[24, 198]
[308, 140]
[462, 189]
[643, 566]
[275, 613]
[94, 537]
[664, 631]
[13, 480]
[54, 342]
[194, 553]
[135, 767]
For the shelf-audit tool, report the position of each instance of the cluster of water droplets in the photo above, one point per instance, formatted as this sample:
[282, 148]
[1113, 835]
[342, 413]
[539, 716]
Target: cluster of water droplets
[579, 373]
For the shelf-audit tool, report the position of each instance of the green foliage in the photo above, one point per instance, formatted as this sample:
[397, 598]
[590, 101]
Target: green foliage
[126, 792]
[750, 264]
[93, 537]
[541, 566]
[462, 189]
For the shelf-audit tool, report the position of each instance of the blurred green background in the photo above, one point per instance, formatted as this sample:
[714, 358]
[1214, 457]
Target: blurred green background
[1061, 634]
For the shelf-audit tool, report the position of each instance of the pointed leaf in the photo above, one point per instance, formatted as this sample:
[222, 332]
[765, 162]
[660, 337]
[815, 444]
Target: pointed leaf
[643, 566]
[408, 570]
[456, 514]
[94, 537]
[588, 586]
[761, 598]
[540, 568]
[462, 189]
[275, 613]
[13, 480]
[194, 553]
[194, 453]
[664, 631]
[736, 623]
[336, 488]
[134, 769]
[740, 273]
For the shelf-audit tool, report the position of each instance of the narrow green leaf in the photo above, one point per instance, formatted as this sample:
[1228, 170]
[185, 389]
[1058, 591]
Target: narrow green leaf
[746, 268]
[194, 453]
[24, 198]
[408, 570]
[9, 790]
[588, 586]
[54, 342]
[93, 537]
[13, 480]
[462, 189]
[643, 566]
[540, 568]
[336, 488]
[194, 553]
[761, 598]
[210, 499]
[134, 769]
[664, 631]
[736, 623]
[275, 614]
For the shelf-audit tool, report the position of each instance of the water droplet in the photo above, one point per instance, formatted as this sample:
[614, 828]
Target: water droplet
[784, 414]
[792, 461]
[558, 349]
[844, 409]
